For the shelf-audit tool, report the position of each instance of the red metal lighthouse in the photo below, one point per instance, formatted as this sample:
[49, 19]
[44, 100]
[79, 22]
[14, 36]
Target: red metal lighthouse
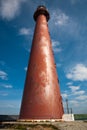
[41, 97]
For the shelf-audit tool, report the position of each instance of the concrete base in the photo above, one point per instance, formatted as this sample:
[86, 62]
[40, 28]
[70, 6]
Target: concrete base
[68, 117]
[39, 120]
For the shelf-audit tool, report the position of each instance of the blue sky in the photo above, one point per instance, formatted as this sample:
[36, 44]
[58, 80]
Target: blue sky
[68, 31]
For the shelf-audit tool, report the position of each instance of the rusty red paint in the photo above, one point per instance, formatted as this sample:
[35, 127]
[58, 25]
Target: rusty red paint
[41, 97]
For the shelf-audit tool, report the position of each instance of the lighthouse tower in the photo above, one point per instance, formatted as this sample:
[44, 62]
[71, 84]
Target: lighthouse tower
[41, 97]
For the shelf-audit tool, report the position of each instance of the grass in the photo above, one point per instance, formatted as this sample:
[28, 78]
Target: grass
[80, 116]
[31, 127]
[37, 127]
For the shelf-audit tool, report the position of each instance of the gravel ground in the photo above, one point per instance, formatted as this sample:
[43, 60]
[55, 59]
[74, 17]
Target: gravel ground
[74, 125]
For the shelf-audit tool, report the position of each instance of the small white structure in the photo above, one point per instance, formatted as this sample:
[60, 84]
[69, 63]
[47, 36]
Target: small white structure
[68, 117]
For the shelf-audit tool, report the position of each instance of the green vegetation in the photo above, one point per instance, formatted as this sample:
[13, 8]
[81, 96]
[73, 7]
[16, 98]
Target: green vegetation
[80, 116]
[31, 127]
[20, 127]
[37, 127]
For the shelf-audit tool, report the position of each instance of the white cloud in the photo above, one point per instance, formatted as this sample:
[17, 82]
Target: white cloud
[65, 23]
[78, 73]
[58, 65]
[6, 85]
[81, 92]
[64, 95]
[3, 75]
[25, 68]
[25, 31]
[74, 103]
[10, 103]
[10, 8]
[82, 97]
[60, 18]
[55, 45]
[74, 88]
[3, 93]
[57, 50]
[11, 106]
[73, 2]
[69, 83]
[2, 63]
